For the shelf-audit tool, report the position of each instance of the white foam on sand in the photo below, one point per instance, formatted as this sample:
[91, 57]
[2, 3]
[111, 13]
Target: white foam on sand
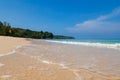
[9, 53]
[5, 76]
[5, 54]
[1, 64]
[63, 66]
[49, 62]
[80, 78]
[87, 66]
[46, 62]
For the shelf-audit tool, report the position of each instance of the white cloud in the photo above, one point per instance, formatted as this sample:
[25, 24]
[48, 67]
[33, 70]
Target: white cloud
[99, 25]
[114, 13]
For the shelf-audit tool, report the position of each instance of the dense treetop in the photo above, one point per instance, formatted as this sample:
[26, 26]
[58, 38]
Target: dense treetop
[7, 30]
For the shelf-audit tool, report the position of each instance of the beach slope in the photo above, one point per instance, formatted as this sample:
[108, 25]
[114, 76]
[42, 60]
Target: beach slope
[7, 44]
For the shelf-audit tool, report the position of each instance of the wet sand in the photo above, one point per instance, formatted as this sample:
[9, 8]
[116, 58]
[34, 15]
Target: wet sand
[43, 60]
[19, 66]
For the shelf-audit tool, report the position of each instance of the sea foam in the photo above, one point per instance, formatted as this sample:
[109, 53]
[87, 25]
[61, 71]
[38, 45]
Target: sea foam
[11, 52]
[46, 62]
[49, 62]
[1, 64]
[93, 44]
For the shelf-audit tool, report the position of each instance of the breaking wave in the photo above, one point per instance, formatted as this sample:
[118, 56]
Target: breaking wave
[93, 44]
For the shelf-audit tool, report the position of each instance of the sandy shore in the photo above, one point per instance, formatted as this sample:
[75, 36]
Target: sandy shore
[19, 66]
[33, 62]
[7, 44]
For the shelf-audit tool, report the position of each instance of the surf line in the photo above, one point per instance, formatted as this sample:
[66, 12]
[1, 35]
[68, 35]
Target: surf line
[78, 77]
[75, 71]
[64, 67]
[11, 52]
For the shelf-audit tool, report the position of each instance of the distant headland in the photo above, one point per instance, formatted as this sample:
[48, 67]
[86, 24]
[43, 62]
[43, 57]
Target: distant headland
[7, 30]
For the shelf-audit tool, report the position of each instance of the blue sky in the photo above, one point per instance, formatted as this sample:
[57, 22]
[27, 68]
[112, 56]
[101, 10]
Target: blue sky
[79, 18]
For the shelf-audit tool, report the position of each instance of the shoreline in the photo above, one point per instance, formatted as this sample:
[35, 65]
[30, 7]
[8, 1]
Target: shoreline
[115, 46]
[102, 58]
[42, 60]
[9, 63]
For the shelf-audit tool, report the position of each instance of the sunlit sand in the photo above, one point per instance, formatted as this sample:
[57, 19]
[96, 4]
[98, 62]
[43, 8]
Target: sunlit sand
[41, 60]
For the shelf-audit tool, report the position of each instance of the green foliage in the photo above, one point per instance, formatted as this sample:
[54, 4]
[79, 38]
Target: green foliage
[7, 30]
[63, 37]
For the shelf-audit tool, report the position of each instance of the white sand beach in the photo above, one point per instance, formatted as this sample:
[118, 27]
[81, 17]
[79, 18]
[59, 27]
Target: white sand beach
[7, 44]
[41, 60]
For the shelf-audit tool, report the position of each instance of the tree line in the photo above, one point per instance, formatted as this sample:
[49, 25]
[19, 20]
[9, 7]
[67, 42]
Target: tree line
[7, 30]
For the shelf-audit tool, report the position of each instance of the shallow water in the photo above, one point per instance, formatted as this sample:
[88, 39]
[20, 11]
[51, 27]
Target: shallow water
[114, 44]
[101, 60]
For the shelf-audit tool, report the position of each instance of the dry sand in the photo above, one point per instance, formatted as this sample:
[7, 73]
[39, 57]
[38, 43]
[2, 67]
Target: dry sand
[21, 66]
[7, 44]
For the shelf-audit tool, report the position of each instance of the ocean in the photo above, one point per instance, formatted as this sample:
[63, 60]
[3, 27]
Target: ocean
[106, 43]
[93, 57]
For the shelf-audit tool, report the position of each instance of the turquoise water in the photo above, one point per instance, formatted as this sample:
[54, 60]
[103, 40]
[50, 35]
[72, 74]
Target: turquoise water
[108, 43]
[75, 57]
